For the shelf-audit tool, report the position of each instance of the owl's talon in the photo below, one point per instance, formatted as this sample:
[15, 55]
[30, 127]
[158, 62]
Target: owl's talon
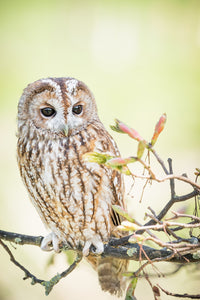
[86, 248]
[97, 243]
[51, 242]
[99, 248]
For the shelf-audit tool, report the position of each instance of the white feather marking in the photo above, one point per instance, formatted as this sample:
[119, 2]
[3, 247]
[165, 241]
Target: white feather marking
[71, 85]
[54, 85]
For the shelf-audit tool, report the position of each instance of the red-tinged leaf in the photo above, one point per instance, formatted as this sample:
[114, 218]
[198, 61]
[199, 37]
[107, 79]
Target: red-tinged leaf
[131, 289]
[122, 212]
[123, 128]
[119, 161]
[103, 158]
[141, 147]
[161, 123]
[159, 128]
[130, 131]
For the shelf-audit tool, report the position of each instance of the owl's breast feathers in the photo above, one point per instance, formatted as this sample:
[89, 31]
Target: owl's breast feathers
[73, 197]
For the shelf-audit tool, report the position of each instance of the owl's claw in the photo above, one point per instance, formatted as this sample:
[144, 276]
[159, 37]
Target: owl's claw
[96, 242]
[51, 242]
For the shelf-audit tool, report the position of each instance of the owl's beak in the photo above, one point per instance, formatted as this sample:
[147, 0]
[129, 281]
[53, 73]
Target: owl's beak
[65, 129]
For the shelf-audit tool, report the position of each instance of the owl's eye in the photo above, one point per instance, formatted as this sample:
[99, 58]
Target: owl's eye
[48, 111]
[77, 109]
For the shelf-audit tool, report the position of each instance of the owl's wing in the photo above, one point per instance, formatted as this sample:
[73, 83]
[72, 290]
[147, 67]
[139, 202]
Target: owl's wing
[118, 193]
[106, 144]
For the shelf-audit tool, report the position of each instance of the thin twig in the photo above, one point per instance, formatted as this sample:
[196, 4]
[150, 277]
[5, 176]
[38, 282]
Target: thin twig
[53, 281]
[169, 204]
[27, 273]
[161, 162]
[167, 258]
[180, 215]
[168, 224]
[172, 181]
[179, 295]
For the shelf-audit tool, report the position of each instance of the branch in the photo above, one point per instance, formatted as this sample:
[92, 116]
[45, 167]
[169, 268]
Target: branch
[48, 285]
[20, 239]
[114, 248]
[169, 204]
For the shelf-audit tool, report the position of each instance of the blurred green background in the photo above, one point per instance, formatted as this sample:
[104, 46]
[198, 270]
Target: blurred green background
[141, 59]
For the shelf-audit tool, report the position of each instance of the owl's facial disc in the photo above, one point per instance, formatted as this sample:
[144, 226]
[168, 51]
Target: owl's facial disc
[62, 106]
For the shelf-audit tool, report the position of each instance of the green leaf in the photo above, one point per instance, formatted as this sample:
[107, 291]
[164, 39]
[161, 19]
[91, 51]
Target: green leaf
[141, 147]
[131, 289]
[116, 127]
[128, 226]
[122, 169]
[122, 212]
[100, 158]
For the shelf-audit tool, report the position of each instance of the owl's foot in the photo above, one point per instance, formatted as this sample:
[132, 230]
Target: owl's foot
[96, 242]
[51, 242]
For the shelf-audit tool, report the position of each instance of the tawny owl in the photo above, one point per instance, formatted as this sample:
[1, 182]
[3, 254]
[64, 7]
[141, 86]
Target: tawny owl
[57, 124]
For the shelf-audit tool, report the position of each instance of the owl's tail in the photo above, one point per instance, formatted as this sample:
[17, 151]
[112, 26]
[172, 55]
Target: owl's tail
[110, 272]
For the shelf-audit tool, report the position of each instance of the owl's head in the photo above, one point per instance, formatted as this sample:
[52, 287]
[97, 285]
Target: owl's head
[58, 105]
